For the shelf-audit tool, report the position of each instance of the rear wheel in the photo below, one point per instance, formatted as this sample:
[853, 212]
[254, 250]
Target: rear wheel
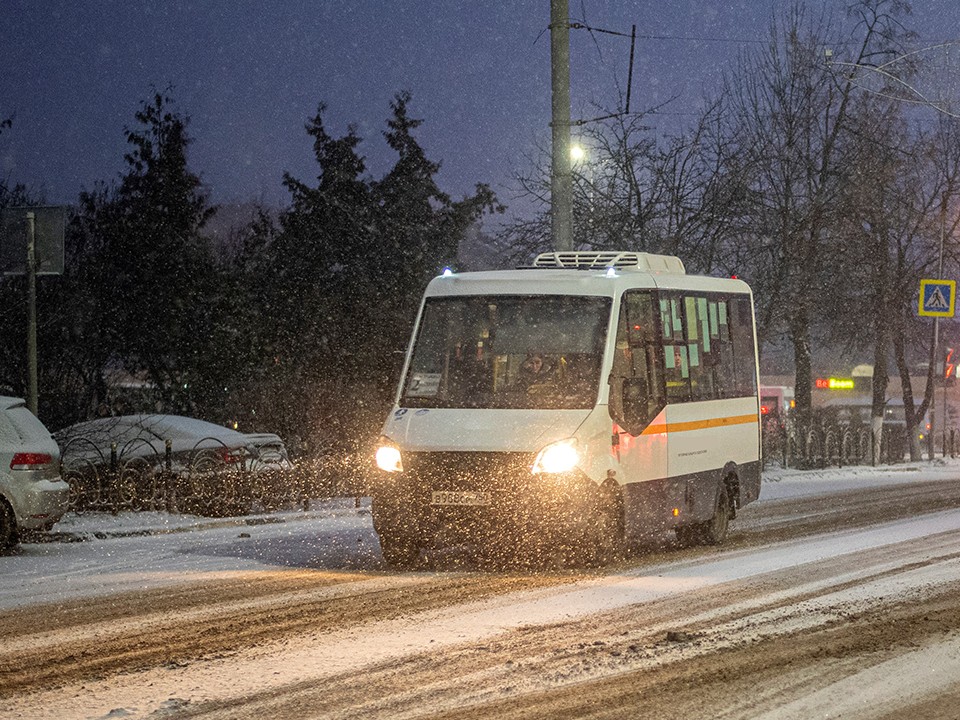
[714, 531]
[8, 528]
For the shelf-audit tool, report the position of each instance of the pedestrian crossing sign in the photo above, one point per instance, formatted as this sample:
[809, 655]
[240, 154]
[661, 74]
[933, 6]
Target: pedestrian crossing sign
[937, 298]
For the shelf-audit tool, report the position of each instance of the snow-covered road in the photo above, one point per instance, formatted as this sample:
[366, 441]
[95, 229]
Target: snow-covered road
[298, 619]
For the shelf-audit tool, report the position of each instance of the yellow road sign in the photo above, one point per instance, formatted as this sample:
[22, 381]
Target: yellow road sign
[937, 298]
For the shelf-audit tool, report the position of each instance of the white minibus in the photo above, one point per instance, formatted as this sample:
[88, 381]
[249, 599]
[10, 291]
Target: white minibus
[570, 407]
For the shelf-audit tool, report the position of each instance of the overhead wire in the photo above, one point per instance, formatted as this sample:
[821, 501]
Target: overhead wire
[583, 25]
[642, 36]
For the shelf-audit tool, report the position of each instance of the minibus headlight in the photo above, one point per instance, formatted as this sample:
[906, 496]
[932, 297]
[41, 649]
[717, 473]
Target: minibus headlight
[558, 457]
[388, 456]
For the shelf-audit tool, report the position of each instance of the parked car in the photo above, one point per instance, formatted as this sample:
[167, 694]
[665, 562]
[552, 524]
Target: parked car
[274, 480]
[145, 436]
[271, 451]
[130, 451]
[32, 494]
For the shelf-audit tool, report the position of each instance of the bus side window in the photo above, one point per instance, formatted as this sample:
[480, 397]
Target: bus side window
[636, 379]
[725, 375]
[708, 347]
[701, 347]
[744, 357]
[676, 352]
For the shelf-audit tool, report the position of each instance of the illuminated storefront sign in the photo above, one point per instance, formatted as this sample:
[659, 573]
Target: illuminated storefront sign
[834, 383]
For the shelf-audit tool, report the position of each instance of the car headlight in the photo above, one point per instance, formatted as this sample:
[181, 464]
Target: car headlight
[388, 457]
[557, 457]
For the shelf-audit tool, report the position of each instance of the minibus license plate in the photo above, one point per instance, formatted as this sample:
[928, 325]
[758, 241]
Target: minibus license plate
[460, 497]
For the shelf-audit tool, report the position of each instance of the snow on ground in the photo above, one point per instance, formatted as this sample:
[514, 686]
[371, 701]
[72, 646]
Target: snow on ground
[312, 658]
[117, 553]
[779, 484]
[137, 551]
[880, 690]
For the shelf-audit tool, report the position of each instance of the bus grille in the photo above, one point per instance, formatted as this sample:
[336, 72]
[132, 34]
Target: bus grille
[468, 470]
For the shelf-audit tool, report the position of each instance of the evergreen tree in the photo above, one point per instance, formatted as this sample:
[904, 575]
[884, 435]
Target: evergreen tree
[163, 262]
[351, 259]
[418, 227]
[322, 234]
[310, 294]
[139, 283]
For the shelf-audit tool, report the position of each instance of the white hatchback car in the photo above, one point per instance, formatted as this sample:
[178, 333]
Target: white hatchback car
[33, 496]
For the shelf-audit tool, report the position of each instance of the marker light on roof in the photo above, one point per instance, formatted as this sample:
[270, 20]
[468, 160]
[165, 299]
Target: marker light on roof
[611, 272]
[447, 272]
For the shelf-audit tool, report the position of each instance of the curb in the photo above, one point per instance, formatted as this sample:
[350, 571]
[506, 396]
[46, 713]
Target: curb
[66, 536]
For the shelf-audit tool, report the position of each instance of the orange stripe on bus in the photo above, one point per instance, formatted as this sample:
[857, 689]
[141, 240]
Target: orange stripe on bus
[699, 424]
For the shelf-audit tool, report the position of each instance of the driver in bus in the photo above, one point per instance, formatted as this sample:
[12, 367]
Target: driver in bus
[536, 370]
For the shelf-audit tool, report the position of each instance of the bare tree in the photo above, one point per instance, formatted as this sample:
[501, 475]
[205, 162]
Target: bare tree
[633, 191]
[876, 228]
[788, 118]
[799, 177]
[935, 180]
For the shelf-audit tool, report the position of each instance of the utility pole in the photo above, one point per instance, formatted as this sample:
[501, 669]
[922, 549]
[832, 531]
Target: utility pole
[935, 352]
[35, 232]
[561, 180]
[31, 313]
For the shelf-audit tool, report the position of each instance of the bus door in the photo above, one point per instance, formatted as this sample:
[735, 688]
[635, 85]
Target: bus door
[636, 404]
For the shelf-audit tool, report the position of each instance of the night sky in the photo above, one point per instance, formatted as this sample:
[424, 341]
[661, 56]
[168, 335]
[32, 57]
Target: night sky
[249, 73]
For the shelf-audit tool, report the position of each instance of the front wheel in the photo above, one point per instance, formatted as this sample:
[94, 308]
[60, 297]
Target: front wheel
[592, 535]
[397, 533]
[398, 552]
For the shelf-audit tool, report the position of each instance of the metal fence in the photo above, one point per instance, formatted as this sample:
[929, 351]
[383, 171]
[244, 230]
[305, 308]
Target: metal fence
[838, 444]
[210, 479]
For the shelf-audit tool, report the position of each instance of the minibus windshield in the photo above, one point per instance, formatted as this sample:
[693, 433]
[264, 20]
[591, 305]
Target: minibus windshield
[508, 351]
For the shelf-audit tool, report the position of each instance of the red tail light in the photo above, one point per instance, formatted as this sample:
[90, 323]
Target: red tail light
[29, 461]
[231, 457]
